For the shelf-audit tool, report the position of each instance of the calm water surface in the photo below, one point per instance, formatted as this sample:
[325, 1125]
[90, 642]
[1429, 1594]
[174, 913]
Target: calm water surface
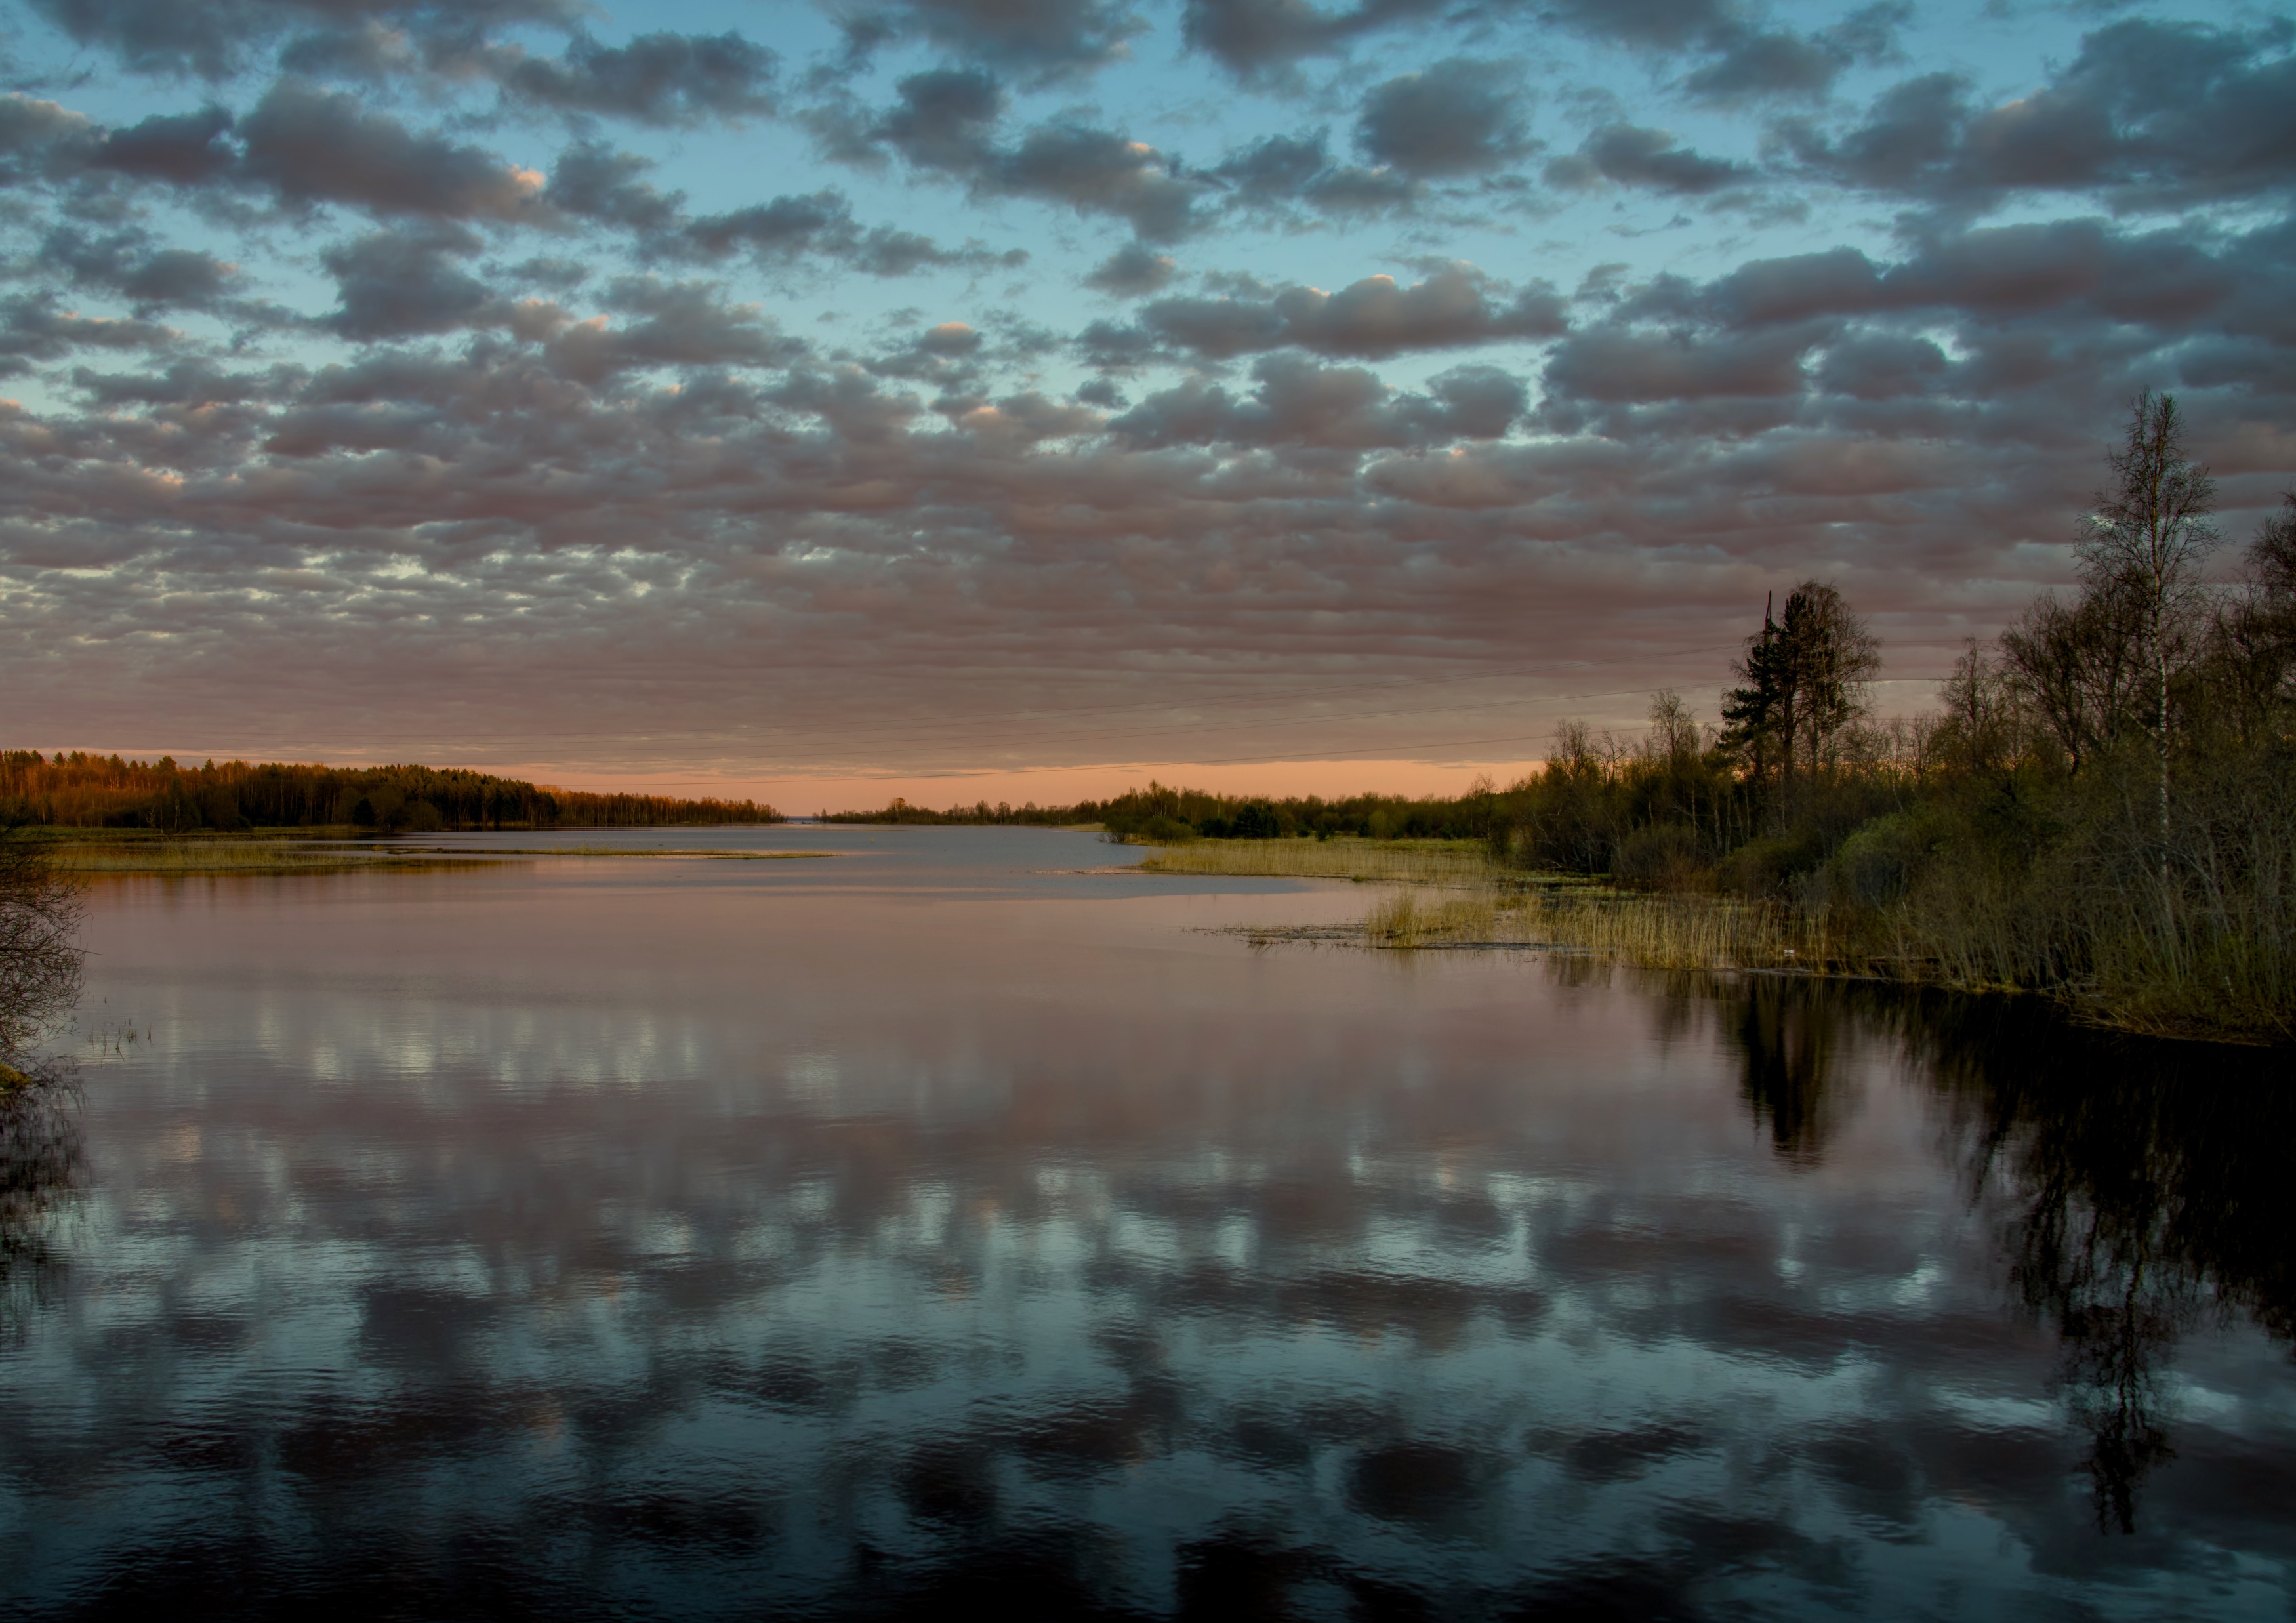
[925, 1224]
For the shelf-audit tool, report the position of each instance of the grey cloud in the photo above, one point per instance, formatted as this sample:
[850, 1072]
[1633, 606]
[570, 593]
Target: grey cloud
[681, 324]
[1646, 158]
[596, 183]
[1132, 272]
[1375, 316]
[1756, 65]
[944, 122]
[1751, 64]
[1911, 128]
[1096, 171]
[149, 278]
[185, 149]
[1043, 39]
[39, 138]
[184, 382]
[34, 328]
[1618, 364]
[849, 403]
[822, 223]
[1882, 366]
[1283, 172]
[2002, 271]
[781, 229]
[1249, 37]
[1299, 402]
[320, 146]
[396, 284]
[943, 118]
[1663, 25]
[592, 182]
[212, 38]
[1456, 117]
[656, 79]
[1114, 348]
[2149, 114]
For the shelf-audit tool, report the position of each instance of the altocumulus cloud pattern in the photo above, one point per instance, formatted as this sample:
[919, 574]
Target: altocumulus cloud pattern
[732, 384]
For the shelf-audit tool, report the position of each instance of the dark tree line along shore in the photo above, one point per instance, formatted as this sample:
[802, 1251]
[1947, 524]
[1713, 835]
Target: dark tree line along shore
[79, 791]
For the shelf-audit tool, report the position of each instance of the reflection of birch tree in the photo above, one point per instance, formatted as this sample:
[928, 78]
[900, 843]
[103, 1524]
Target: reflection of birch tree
[39, 957]
[40, 1170]
[2149, 1187]
[1790, 1040]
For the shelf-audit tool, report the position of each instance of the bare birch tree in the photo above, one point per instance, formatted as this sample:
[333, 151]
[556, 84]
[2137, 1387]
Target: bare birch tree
[2148, 537]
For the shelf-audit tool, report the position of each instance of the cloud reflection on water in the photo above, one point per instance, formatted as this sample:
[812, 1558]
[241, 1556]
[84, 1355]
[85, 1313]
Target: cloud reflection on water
[936, 1247]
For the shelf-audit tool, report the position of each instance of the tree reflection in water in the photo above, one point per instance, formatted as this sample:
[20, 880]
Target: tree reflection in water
[1791, 1048]
[41, 1169]
[2146, 1186]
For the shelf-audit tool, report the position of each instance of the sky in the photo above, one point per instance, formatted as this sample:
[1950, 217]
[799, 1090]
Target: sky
[1025, 398]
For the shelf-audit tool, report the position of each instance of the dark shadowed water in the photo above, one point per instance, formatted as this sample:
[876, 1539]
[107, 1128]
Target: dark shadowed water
[918, 1229]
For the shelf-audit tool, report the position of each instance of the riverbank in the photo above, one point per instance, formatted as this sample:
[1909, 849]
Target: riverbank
[1450, 896]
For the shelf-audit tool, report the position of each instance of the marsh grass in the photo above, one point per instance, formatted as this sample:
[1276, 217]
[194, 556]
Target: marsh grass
[1667, 932]
[1673, 932]
[1422, 862]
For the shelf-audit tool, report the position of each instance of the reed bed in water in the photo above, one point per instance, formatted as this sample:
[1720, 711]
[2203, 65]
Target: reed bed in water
[1444, 862]
[1651, 932]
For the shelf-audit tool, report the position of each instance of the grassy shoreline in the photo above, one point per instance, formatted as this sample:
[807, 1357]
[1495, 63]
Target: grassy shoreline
[1460, 901]
[1419, 862]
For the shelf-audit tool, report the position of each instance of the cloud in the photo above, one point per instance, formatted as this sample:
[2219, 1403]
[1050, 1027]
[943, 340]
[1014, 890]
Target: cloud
[2149, 114]
[1132, 272]
[595, 182]
[679, 323]
[395, 283]
[943, 123]
[33, 329]
[943, 118]
[213, 38]
[656, 79]
[1254, 36]
[1989, 273]
[1660, 25]
[317, 146]
[1096, 171]
[1300, 402]
[1649, 159]
[1613, 364]
[185, 149]
[1456, 117]
[39, 139]
[1747, 64]
[149, 278]
[1452, 309]
[1043, 39]
[1280, 173]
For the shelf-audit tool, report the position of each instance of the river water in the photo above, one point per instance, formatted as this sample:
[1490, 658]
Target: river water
[932, 1225]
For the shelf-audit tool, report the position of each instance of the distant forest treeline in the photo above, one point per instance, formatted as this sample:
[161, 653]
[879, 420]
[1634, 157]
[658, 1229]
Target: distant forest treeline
[1160, 814]
[73, 789]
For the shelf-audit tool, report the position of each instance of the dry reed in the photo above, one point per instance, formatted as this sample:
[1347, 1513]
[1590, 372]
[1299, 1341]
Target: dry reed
[1446, 862]
[1675, 932]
